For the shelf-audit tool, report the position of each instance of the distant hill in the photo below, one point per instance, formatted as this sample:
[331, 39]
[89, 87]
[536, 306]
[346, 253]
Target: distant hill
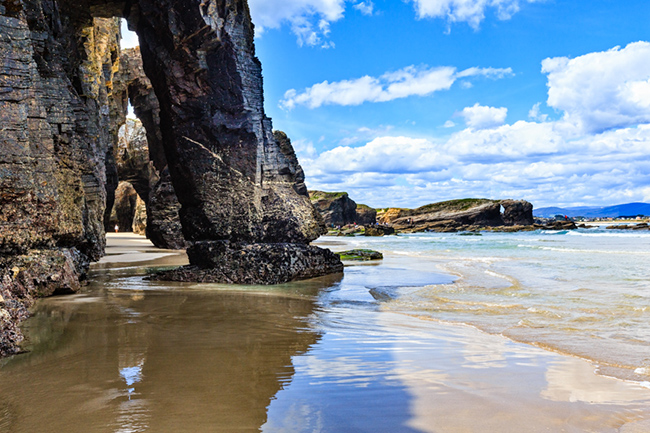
[628, 209]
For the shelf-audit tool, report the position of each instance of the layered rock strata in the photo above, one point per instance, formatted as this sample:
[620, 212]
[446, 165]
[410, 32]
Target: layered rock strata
[462, 215]
[56, 131]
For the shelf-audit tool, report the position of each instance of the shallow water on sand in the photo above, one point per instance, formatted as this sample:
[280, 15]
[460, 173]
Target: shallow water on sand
[584, 293]
[335, 354]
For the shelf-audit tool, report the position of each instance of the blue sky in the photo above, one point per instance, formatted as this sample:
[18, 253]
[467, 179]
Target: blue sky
[408, 102]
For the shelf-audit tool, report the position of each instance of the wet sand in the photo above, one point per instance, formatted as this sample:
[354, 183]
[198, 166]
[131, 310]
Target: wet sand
[130, 355]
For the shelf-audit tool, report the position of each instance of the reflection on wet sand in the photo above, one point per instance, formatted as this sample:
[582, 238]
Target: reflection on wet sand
[500, 385]
[159, 360]
[571, 380]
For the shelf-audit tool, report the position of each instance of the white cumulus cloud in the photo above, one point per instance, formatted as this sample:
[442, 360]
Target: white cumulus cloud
[383, 155]
[540, 162]
[469, 11]
[535, 114]
[309, 19]
[409, 81]
[480, 117]
[595, 154]
[602, 90]
[365, 7]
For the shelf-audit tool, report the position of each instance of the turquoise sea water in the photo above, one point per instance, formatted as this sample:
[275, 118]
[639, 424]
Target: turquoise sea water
[583, 292]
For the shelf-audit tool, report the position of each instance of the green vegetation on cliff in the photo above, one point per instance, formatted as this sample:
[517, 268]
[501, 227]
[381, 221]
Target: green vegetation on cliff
[320, 195]
[453, 205]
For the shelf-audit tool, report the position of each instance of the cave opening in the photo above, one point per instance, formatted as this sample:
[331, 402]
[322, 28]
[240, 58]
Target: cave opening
[140, 196]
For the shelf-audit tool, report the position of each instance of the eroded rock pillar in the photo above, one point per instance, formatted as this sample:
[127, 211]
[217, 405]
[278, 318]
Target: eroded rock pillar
[236, 186]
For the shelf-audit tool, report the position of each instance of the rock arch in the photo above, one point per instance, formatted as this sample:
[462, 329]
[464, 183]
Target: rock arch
[59, 114]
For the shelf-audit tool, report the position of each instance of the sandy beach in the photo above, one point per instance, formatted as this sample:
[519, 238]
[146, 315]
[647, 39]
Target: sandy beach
[130, 355]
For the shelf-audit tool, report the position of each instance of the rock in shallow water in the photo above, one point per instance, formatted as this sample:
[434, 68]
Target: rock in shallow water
[378, 230]
[225, 262]
[360, 254]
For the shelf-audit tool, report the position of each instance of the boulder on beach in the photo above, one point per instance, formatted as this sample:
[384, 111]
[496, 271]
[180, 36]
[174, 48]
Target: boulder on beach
[360, 254]
[378, 230]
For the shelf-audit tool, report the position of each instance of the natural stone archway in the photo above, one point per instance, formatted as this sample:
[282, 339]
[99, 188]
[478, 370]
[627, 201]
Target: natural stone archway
[163, 225]
[237, 184]
[123, 211]
[60, 110]
[239, 205]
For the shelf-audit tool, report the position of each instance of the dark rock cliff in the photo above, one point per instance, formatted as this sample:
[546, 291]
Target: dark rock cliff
[338, 209]
[366, 215]
[231, 177]
[517, 212]
[163, 222]
[56, 132]
[60, 110]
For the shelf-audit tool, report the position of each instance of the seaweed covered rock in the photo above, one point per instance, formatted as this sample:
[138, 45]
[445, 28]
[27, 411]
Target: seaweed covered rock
[360, 255]
[26, 277]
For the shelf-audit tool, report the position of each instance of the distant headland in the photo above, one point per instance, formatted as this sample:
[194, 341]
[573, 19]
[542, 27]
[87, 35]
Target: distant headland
[342, 215]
